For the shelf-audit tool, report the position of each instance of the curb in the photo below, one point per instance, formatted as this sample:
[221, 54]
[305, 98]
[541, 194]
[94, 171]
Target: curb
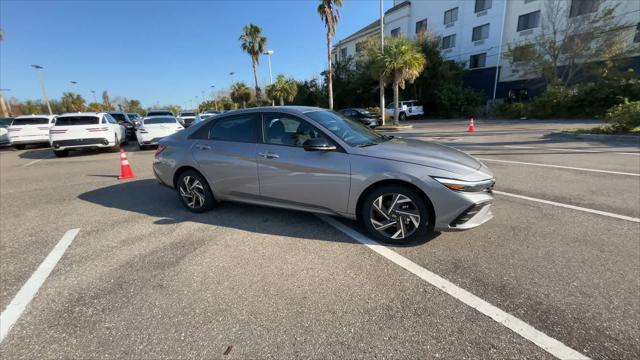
[393, 127]
[632, 138]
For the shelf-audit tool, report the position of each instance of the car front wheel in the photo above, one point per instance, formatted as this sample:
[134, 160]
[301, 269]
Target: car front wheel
[194, 192]
[395, 214]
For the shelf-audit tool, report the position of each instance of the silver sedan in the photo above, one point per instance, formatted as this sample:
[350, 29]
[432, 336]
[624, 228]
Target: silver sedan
[312, 159]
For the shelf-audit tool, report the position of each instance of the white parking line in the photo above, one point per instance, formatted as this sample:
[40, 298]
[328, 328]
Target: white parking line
[569, 150]
[573, 207]
[35, 161]
[560, 167]
[549, 344]
[13, 311]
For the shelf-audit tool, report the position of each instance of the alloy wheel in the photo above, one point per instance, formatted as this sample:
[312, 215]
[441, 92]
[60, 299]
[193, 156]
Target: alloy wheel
[395, 216]
[192, 192]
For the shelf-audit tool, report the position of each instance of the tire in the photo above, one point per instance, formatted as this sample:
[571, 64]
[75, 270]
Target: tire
[406, 233]
[19, 147]
[141, 147]
[61, 153]
[403, 116]
[116, 147]
[190, 200]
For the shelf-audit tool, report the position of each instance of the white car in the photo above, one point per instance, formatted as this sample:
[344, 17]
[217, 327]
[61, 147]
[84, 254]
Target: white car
[86, 131]
[30, 130]
[406, 109]
[188, 118]
[154, 128]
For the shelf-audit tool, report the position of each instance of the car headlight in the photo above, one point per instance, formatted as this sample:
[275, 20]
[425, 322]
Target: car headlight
[467, 186]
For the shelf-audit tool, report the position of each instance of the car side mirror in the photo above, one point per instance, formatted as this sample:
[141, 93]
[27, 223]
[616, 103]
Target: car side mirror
[318, 144]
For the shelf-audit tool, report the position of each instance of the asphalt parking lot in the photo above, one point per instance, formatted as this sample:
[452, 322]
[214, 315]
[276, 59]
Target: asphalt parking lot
[144, 278]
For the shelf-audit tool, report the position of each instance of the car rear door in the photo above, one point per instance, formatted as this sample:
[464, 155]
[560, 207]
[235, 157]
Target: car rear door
[225, 151]
[292, 176]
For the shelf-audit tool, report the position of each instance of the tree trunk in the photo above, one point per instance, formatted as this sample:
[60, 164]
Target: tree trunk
[255, 78]
[330, 84]
[281, 101]
[244, 104]
[396, 95]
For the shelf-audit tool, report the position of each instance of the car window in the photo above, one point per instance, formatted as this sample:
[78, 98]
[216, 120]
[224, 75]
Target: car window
[288, 130]
[159, 120]
[350, 131]
[119, 117]
[110, 119]
[30, 121]
[77, 120]
[241, 128]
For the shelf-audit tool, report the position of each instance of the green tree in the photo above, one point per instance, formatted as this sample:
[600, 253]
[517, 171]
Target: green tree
[72, 102]
[401, 62]
[134, 106]
[282, 89]
[240, 93]
[328, 10]
[95, 107]
[253, 43]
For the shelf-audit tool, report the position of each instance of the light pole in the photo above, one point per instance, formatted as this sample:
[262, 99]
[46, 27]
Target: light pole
[94, 96]
[382, 108]
[202, 95]
[41, 80]
[269, 53]
[75, 85]
[231, 74]
[6, 110]
[213, 94]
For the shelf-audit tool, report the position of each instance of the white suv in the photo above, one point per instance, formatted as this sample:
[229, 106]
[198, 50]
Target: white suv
[86, 130]
[30, 130]
[406, 109]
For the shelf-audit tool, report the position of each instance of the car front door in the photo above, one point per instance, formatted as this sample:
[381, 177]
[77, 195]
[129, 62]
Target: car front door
[293, 176]
[225, 151]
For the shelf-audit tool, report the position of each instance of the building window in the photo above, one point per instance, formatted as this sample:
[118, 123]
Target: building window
[451, 16]
[637, 37]
[482, 5]
[343, 53]
[581, 7]
[359, 47]
[449, 42]
[529, 21]
[480, 32]
[421, 26]
[478, 61]
[395, 32]
[522, 53]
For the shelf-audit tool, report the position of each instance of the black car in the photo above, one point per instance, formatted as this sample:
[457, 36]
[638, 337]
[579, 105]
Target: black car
[123, 119]
[363, 116]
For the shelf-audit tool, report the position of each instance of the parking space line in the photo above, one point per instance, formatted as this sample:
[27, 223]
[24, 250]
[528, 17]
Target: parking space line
[573, 207]
[560, 167]
[545, 342]
[35, 161]
[13, 311]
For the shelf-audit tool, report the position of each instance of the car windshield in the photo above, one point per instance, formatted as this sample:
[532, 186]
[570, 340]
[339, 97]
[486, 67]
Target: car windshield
[188, 114]
[351, 132]
[30, 121]
[77, 120]
[4, 122]
[119, 117]
[133, 116]
[156, 113]
[160, 120]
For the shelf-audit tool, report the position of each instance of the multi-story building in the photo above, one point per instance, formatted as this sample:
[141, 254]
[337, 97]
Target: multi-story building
[478, 34]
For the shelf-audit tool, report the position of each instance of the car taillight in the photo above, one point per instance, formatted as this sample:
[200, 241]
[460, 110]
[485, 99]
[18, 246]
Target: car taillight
[160, 149]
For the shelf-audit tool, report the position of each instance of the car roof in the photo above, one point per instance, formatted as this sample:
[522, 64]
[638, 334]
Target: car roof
[83, 114]
[293, 109]
[117, 112]
[35, 116]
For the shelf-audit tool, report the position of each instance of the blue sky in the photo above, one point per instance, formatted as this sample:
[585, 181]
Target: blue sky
[164, 52]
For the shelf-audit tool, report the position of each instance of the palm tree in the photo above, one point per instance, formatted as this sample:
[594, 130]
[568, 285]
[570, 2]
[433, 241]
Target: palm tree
[400, 62]
[253, 43]
[328, 10]
[72, 102]
[240, 93]
[282, 89]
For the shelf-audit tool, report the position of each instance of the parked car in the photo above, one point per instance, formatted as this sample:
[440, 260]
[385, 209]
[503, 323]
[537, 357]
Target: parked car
[135, 118]
[4, 133]
[312, 159]
[86, 131]
[188, 118]
[124, 120]
[361, 115]
[30, 130]
[159, 113]
[154, 128]
[406, 109]
[209, 113]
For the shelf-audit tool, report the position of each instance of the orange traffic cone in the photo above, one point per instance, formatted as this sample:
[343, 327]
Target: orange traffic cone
[471, 127]
[125, 168]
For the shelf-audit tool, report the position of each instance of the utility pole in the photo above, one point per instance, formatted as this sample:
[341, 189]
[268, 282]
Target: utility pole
[6, 110]
[41, 80]
[94, 96]
[213, 94]
[495, 83]
[75, 85]
[382, 108]
[231, 74]
[269, 53]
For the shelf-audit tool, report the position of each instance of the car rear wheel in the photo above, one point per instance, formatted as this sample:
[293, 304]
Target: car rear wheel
[395, 214]
[61, 153]
[116, 146]
[194, 192]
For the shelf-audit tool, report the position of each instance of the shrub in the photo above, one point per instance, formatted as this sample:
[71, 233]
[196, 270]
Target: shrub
[553, 103]
[625, 116]
[514, 110]
[456, 101]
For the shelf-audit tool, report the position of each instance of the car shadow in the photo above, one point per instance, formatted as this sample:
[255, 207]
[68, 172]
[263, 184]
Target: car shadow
[46, 153]
[150, 198]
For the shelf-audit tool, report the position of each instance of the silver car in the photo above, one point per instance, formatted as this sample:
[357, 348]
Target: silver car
[312, 159]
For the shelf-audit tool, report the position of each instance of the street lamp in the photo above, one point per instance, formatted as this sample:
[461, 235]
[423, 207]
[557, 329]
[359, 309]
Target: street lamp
[41, 80]
[94, 96]
[383, 111]
[269, 53]
[231, 74]
[213, 94]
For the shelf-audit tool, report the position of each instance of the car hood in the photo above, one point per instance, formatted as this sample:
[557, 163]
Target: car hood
[428, 154]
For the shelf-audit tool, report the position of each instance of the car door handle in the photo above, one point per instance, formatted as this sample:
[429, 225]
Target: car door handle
[269, 155]
[203, 147]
